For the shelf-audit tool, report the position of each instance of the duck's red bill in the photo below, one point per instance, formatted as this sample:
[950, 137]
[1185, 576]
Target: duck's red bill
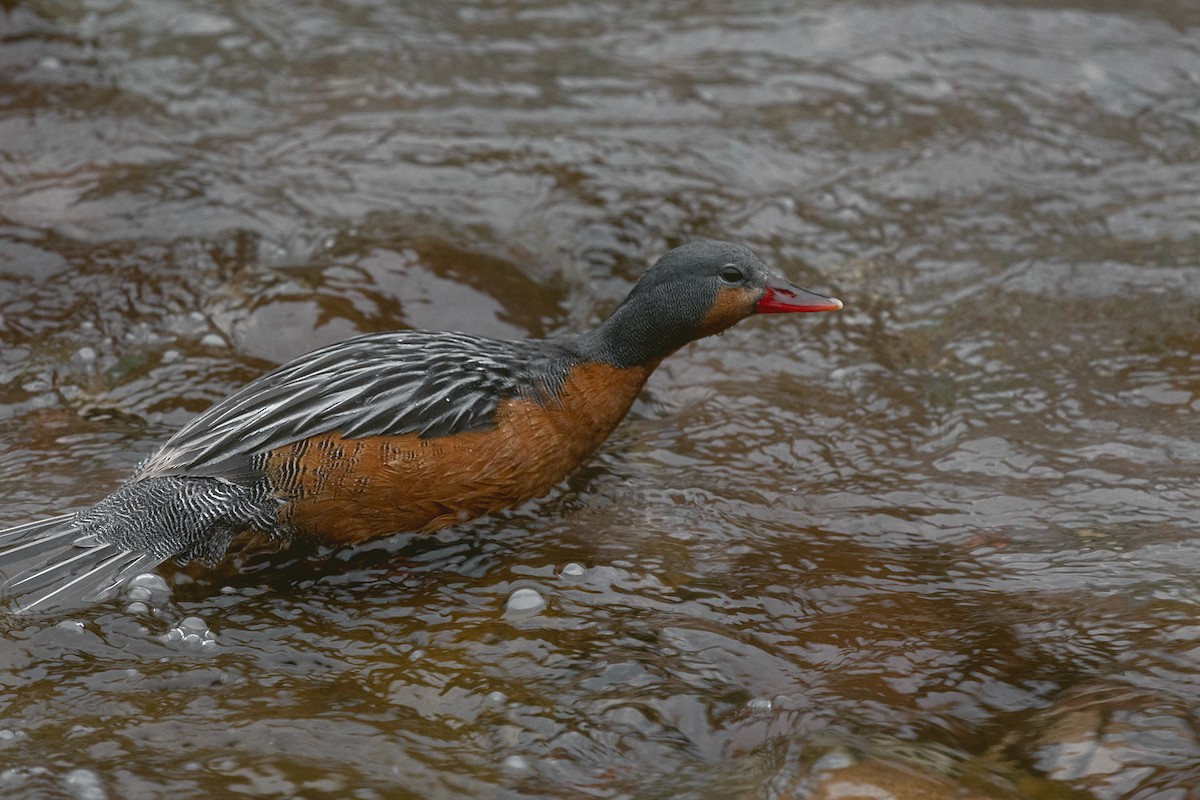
[783, 297]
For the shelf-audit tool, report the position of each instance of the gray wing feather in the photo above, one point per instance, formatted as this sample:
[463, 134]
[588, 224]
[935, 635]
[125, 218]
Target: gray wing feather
[431, 384]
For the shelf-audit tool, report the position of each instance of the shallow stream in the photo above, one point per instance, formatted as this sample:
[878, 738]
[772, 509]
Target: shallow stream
[939, 544]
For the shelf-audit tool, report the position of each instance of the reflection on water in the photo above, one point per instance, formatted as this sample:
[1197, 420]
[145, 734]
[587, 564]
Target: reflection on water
[940, 542]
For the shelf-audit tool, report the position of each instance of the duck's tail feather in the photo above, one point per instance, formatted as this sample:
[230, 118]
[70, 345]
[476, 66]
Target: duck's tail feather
[52, 564]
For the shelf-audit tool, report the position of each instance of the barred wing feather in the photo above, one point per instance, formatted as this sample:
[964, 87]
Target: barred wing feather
[431, 384]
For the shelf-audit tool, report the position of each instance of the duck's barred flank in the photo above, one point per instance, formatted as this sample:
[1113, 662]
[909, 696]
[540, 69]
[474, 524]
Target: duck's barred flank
[389, 432]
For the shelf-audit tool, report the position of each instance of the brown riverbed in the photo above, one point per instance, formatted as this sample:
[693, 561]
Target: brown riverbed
[942, 543]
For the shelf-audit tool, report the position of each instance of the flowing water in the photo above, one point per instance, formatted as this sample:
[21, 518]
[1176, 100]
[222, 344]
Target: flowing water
[942, 543]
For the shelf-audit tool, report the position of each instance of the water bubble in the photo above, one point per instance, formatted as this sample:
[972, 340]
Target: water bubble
[72, 625]
[86, 354]
[516, 764]
[147, 589]
[759, 704]
[523, 600]
[83, 784]
[497, 697]
[137, 608]
[212, 340]
[192, 632]
[573, 570]
[148, 580]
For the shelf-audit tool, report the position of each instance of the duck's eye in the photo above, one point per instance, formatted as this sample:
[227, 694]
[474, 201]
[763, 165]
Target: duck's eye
[732, 274]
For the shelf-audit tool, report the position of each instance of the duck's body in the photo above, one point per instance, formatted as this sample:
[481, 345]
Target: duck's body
[390, 432]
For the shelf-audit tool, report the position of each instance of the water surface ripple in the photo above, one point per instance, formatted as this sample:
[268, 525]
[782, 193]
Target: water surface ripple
[940, 543]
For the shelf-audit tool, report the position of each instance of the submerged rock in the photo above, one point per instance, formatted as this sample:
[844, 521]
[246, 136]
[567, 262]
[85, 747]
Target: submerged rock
[1117, 741]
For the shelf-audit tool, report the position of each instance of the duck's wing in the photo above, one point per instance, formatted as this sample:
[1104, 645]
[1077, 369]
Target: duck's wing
[387, 384]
